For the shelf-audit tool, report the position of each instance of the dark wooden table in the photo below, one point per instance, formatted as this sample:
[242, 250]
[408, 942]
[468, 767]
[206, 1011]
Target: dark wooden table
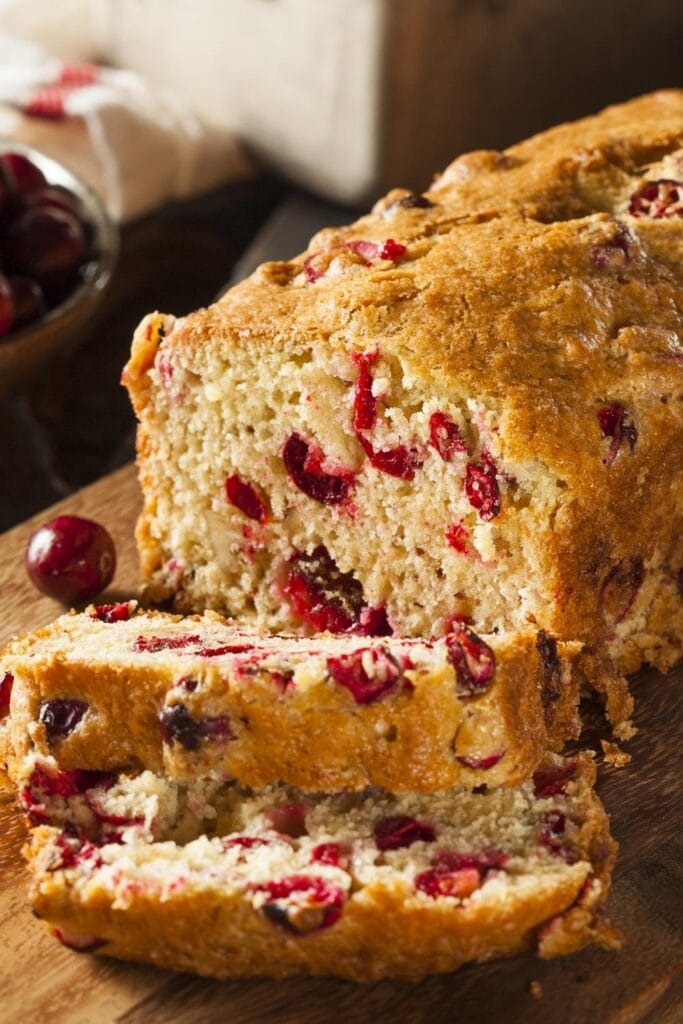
[41, 981]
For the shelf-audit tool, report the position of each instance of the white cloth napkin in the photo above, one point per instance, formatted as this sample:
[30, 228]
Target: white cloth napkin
[137, 145]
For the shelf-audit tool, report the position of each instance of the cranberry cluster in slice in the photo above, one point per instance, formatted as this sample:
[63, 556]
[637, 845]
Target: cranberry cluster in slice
[458, 875]
[368, 674]
[45, 241]
[246, 498]
[615, 423]
[399, 831]
[658, 199]
[304, 463]
[60, 716]
[473, 661]
[327, 599]
[179, 726]
[315, 265]
[300, 903]
[481, 488]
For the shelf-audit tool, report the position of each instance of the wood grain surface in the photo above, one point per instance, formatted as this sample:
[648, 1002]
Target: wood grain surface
[41, 981]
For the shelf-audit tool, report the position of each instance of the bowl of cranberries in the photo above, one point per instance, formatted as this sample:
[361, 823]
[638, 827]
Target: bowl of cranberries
[58, 248]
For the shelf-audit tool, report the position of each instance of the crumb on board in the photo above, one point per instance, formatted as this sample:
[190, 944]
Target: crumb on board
[614, 755]
[535, 989]
[624, 730]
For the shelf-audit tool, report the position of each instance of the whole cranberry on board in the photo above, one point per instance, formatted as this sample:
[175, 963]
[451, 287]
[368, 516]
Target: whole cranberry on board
[70, 559]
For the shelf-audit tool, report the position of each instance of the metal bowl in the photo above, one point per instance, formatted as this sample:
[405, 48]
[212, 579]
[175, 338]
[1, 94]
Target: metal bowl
[23, 352]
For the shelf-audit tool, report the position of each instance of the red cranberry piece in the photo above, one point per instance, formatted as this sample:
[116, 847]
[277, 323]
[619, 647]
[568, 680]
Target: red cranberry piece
[615, 252]
[364, 402]
[392, 250]
[327, 599]
[481, 488]
[64, 784]
[303, 462]
[413, 201]
[70, 559]
[178, 725]
[400, 461]
[78, 941]
[662, 198]
[620, 588]
[615, 423]
[373, 622]
[246, 842]
[458, 538]
[551, 687]
[473, 661]
[351, 671]
[445, 436]
[459, 883]
[301, 903]
[60, 717]
[29, 300]
[334, 854]
[7, 307]
[246, 498]
[396, 832]
[553, 781]
[105, 818]
[6, 683]
[72, 851]
[288, 820]
[388, 250]
[154, 644]
[554, 826]
[310, 270]
[217, 652]
[21, 174]
[47, 244]
[483, 763]
[119, 612]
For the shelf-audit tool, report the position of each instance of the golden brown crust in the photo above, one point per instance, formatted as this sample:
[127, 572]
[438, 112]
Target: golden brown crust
[500, 296]
[310, 733]
[383, 931]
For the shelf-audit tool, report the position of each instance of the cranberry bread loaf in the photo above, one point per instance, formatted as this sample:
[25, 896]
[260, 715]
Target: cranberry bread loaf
[467, 403]
[202, 697]
[225, 882]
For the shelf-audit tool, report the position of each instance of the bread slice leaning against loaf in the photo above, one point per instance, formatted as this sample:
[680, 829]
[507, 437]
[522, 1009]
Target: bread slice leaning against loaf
[116, 687]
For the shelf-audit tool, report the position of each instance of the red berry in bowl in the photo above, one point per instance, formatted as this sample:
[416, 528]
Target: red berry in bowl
[56, 197]
[28, 298]
[70, 559]
[47, 244]
[7, 310]
[20, 173]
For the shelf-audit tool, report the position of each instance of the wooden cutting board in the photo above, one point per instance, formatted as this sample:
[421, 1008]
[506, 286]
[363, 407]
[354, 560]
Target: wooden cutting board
[40, 981]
